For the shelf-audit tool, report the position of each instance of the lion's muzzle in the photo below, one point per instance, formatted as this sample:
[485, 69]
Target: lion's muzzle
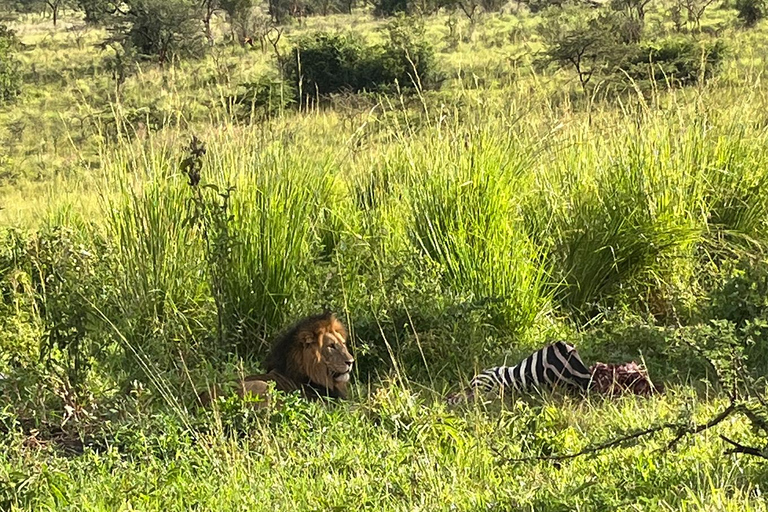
[344, 376]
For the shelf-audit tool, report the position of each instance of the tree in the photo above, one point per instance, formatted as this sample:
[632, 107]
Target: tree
[241, 19]
[209, 8]
[634, 23]
[582, 39]
[279, 10]
[348, 5]
[695, 10]
[55, 6]
[160, 28]
[633, 8]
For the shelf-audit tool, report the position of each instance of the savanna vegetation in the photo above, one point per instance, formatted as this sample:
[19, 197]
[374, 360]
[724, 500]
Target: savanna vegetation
[460, 180]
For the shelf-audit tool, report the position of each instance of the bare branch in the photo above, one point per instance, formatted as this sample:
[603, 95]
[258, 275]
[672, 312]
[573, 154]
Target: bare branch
[700, 428]
[740, 448]
[682, 431]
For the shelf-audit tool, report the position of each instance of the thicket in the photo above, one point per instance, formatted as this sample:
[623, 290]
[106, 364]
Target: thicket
[326, 63]
[604, 46]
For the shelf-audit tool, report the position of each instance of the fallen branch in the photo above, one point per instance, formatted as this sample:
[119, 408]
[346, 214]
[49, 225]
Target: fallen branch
[599, 447]
[682, 431]
[740, 448]
[700, 428]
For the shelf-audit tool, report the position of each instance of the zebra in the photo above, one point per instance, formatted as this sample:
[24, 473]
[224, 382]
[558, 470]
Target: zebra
[554, 365]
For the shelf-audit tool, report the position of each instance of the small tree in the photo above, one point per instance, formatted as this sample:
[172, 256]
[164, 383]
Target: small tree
[10, 74]
[281, 10]
[240, 16]
[55, 6]
[209, 8]
[33, 5]
[160, 28]
[586, 41]
[695, 10]
[750, 11]
[633, 8]
[634, 23]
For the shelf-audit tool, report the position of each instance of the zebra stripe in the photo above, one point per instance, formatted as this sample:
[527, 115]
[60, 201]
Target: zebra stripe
[554, 365]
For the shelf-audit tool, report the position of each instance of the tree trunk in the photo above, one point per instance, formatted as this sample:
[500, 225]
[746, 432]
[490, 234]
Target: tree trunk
[208, 33]
[54, 10]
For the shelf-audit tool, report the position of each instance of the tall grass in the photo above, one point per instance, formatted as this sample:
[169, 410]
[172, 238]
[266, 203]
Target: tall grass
[157, 273]
[466, 217]
[280, 209]
[507, 223]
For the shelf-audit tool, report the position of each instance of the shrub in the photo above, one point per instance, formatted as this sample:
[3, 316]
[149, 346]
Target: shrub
[326, 63]
[676, 61]
[750, 11]
[161, 28]
[265, 97]
[390, 7]
[66, 281]
[407, 57]
[10, 74]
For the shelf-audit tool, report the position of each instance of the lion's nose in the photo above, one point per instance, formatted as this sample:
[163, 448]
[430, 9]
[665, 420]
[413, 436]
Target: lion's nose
[350, 361]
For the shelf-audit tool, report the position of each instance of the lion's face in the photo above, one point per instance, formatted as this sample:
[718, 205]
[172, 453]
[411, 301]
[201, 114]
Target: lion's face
[326, 356]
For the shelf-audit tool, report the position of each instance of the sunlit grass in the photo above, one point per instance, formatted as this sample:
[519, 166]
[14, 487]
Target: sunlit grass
[451, 230]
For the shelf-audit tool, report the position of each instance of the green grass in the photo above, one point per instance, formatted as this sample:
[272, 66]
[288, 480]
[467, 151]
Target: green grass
[451, 230]
[394, 450]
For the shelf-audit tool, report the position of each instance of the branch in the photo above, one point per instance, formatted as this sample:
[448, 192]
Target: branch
[700, 428]
[740, 448]
[599, 447]
[682, 431]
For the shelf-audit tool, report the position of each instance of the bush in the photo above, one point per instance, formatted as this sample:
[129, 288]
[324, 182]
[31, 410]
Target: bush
[676, 61]
[161, 28]
[325, 63]
[95, 11]
[407, 57]
[750, 11]
[265, 97]
[10, 74]
[390, 7]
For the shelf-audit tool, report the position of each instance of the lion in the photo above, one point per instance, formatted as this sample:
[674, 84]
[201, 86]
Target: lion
[311, 357]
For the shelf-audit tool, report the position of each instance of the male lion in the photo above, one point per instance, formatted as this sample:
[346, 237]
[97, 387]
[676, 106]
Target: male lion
[311, 357]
